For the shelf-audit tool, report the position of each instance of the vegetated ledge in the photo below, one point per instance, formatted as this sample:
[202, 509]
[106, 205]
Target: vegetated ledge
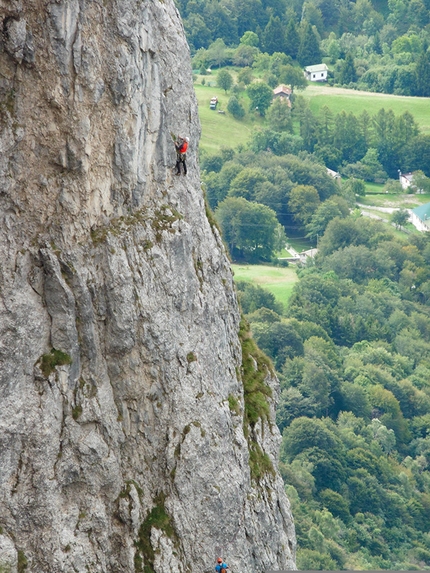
[160, 220]
[48, 362]
[158, 518]
[256, 366]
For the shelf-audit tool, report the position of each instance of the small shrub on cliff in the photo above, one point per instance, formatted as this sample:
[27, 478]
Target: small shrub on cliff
[48, 362]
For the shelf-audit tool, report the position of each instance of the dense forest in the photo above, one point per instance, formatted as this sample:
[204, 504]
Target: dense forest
[352, 352]
[352, 348]
[378, 46]
[260, 197]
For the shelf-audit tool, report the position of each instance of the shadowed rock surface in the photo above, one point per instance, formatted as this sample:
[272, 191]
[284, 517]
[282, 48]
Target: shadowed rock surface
[121, 423]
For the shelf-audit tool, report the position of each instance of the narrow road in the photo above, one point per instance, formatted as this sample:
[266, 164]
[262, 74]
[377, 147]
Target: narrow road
[381, 209]
[293, 252]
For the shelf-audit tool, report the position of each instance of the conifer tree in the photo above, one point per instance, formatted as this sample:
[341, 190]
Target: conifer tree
[309, 49]
[273, 38]
[348, 73]
[377, 48]
[423, 74]
[292, 39]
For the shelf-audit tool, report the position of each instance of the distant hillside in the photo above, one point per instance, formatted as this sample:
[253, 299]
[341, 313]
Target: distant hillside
[380, 47]
[223, 130]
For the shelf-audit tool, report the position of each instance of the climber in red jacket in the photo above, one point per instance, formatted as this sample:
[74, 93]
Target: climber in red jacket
[181, 145]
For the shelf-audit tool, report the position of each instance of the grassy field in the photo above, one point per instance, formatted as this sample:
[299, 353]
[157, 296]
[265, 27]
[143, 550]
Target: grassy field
[372, 202]
[338, 99]
[277, 280]
[300, 243]
[222, 130]
[283, 254]
[373, 187]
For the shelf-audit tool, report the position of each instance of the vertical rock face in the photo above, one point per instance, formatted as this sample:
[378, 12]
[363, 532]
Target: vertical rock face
[122, 405]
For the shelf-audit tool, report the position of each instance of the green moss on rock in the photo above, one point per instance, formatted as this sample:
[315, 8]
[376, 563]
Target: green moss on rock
[256, 366]
[158, 518]
[48, 362]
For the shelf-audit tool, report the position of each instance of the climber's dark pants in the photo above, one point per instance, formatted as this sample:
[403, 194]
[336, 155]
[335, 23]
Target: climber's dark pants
[180, 158]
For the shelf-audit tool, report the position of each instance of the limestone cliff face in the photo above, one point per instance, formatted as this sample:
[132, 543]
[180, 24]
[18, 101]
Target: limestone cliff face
[124, 448]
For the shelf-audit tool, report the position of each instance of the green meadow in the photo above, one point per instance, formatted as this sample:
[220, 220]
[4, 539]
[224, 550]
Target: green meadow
[277, 280]
[218, 129]
[341, 99]
[222, 130]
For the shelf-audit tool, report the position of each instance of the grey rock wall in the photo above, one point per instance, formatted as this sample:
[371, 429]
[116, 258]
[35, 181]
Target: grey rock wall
[108, 258]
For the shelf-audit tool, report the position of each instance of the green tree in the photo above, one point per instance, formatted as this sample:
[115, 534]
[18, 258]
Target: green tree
[356, 400]
[369, 168]
[235, 108]
[247, 182]
[216, 54]
[418, 154]
[198, 34]
[244, 55]
[218, 184]
[423, 74]
[348, 137]
[212, 163]
[359, 263]
[327, 211]
[292, 38]
[384, 436]
[389, 411]
[303, 203]
[245, 76]
[326, 126]
[313, 560]
[420, 182]
[293, 404]
[394, 139]
[273, 36]
[260, 95]
[348, 72]
[214, 192]
[392, 186]
[249, 15]
[277, 61]
[305, 433]
[218, 19]
[364, 492]
[377, 48]
[293, 77]
[253, 297]
[251, 230]
[309, 50]
[355, 186]
[250, 39]
[279, 340]
[312, 14]
[279, 116]
[224, 80]
[400, 217]
[308, 129]
[336, 504]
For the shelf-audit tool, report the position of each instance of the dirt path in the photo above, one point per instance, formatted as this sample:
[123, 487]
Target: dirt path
[381, 209]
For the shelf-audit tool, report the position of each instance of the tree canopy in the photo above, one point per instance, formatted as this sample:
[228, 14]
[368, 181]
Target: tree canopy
[260, 95]
[251, 230]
